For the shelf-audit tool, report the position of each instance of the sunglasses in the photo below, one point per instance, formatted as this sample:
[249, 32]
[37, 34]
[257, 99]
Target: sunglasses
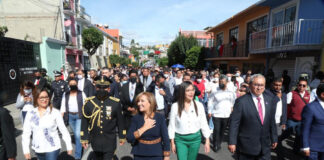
[301, 85]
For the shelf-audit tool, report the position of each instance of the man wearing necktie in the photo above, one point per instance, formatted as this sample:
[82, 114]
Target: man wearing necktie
[253, 129]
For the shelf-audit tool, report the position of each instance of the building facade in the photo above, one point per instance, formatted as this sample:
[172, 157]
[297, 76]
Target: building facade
[293, 37]
[205, 39]
[231, 41]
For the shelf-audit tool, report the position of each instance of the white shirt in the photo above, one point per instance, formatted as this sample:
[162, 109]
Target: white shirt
[278, 111]
[289, 96]
[313, 95]
[132, 92]
[44, 131]
[239, 80]
[221, 103]
[189, 122]
[81, 84]
[255, 100]
[73, 103]
[321, 102]
[230, 86]
[178, 80]
[159, 99]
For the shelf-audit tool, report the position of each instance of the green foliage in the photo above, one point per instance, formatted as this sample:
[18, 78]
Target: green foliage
[91, 40]
[135, 64]
[3, 31]
[115, 59]
[163, 61]
[179, 47]
[192, 56]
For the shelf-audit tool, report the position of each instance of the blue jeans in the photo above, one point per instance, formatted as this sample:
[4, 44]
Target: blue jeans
[75, 123]
[293, 127]
[48, 155]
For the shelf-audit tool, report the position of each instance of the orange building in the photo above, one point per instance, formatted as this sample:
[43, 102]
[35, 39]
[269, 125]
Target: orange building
[204, 39]
[231, 41]
[116, 34]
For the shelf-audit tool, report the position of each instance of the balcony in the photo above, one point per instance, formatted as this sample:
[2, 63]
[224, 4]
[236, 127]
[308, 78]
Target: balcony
[82, 16]
[304, 34]
[228, 51]
[67, 9]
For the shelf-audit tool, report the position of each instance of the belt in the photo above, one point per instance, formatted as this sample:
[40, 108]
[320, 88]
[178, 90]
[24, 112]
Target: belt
[155, 141]
[74, 113]
[159, 110]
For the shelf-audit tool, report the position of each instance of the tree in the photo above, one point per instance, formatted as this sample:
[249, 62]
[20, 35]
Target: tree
[3, 31]
[114, 59]
[132, 42]
[91, 40]
[179, 47]
[192, 56]
[163, 61]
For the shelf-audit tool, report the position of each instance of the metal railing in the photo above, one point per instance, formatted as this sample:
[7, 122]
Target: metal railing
[228, 50]
[82, 14]
[301, 32]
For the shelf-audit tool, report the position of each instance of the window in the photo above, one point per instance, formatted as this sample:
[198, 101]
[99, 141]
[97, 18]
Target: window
[210, 42]
[257, 25]
[284, 16]
[78, 30]
[290, 14]
[219, 39]
[233, 32]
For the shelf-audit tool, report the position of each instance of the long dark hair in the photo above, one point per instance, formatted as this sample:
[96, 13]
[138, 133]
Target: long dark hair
[182, 96]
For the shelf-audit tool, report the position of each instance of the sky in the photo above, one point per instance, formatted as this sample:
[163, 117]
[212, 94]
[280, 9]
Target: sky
[151, 22]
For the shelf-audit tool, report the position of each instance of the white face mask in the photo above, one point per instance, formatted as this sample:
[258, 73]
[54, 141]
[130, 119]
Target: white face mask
[124, 82]
[229, 78]
[27, 91]
[79, 76]
[166, 75]
[199, 80]
[216, 79]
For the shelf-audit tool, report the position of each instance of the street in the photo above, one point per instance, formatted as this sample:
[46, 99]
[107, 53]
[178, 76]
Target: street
[123, 152]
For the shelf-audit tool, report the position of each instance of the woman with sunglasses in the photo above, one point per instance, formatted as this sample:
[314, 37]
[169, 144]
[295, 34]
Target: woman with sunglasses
[187, 121]
[43, 122]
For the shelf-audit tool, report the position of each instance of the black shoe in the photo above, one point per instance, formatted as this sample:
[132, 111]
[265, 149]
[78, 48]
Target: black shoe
[216, 149]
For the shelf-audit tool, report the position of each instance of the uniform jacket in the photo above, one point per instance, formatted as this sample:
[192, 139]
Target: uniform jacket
[99, 122]
[57, 89]
[246, 130]
[313, 126]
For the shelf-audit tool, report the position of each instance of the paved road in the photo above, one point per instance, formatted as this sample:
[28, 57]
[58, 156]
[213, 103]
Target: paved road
[123, 152]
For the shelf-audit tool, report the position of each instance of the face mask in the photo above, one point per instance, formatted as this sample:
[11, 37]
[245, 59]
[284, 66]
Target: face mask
[133, 80]
[221, 86]
[124, 82]
[73, 87]
[102, 94]
[166, 75]
[27, 91]
[237, 74]
[38, 77]
[216, 79]
[199, 80]
[79, 76]
[229, 78]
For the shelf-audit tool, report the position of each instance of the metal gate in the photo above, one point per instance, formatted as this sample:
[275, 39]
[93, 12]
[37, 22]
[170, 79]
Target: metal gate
[18, 60]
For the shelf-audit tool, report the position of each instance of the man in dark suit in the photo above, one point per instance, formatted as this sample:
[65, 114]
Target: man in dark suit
[114, 86]
[8, 146]
[162, 94]
[280, 104]
[40, 82]
[84, 84]
[313, 127]
[128, 94]
[252, 126]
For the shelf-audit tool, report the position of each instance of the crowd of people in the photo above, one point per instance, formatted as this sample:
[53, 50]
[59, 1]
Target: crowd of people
[160, 111]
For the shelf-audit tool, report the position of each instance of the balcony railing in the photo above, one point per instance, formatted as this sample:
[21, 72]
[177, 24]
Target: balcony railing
[82, 15]
[228, 50]
[302, 32]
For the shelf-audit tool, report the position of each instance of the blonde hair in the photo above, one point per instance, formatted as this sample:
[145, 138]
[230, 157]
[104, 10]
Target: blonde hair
[150, 98]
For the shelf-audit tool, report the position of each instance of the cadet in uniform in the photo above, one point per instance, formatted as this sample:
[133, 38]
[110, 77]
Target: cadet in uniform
[58, 88]
[101, 115]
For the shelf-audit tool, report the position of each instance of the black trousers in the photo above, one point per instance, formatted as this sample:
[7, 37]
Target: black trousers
[103, 155]
[3, 153]
[261, 156]
[220, 125]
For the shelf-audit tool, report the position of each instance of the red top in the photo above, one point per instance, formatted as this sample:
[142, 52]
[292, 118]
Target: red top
[297, 105]
[201, 87]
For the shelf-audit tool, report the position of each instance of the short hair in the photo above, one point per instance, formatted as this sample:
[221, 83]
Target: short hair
[186, 74]
[320, 89]
[277, 79]
[302, 79]
[223, 77]
[78, 70]
[158, 77]
[132, 71]
[255, 76]
[72, 79]
[150, 98]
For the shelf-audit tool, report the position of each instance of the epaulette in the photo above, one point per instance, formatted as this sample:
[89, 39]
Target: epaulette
[90, 98]
[114, 99]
